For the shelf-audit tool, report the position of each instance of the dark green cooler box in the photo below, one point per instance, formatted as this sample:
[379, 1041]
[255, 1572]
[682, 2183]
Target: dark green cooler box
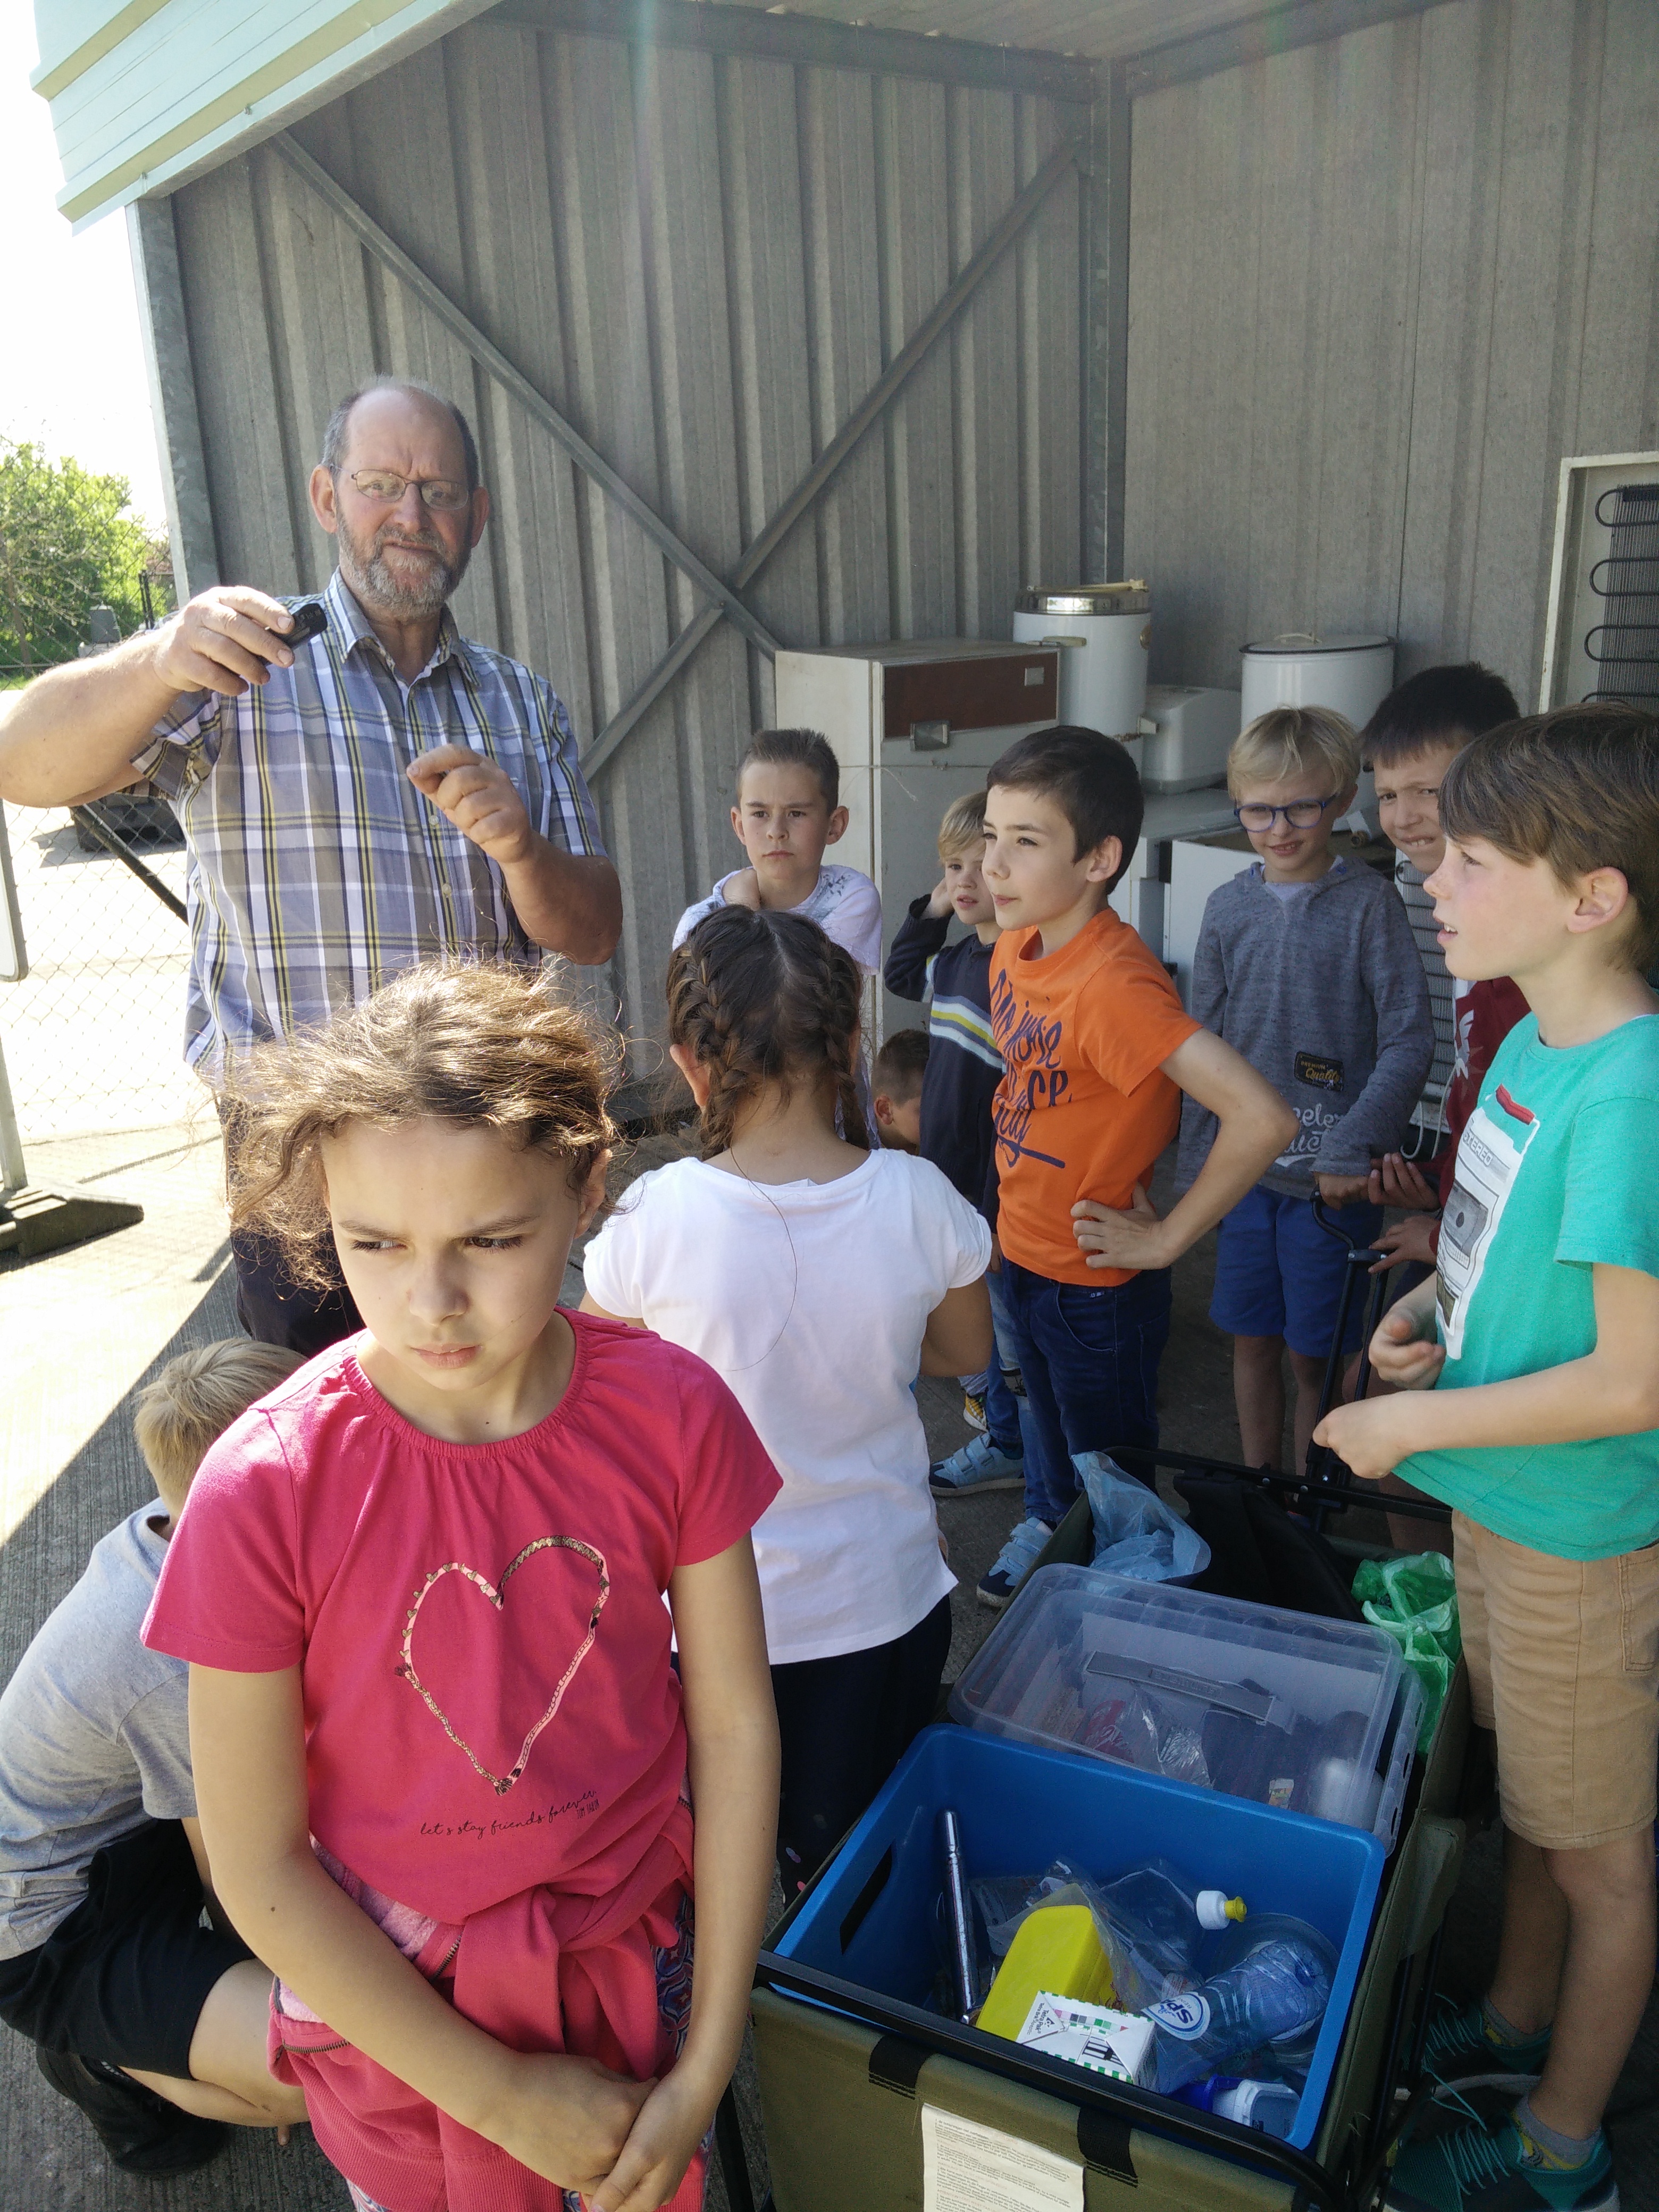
[843, 2090]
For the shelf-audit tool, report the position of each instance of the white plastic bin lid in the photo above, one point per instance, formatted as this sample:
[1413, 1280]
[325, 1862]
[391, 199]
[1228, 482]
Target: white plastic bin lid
[1297, 645]
[1290, 1710]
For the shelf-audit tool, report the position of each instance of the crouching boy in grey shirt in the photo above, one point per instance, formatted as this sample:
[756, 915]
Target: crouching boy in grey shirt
[143, 2012]
[1306, 966]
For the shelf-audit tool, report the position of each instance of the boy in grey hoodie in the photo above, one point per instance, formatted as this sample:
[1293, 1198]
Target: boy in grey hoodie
[1306, 966]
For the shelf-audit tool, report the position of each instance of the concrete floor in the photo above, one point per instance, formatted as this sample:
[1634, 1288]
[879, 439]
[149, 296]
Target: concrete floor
[83, 1330]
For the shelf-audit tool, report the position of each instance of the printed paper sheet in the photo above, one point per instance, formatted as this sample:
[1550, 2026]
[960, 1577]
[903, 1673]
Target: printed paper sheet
[966, 2167]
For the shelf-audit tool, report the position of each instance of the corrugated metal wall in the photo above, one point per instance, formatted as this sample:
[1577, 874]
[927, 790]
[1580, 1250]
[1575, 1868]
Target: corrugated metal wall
[1378, 288]
[705, 262]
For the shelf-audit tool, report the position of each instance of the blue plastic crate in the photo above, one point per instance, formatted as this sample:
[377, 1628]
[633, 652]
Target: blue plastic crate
[870, 1919]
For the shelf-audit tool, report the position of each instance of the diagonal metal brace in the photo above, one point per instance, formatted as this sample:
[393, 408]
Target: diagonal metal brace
[491, 358]
[874, 404]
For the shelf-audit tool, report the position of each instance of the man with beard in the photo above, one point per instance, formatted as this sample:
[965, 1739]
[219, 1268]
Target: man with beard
[383, 792]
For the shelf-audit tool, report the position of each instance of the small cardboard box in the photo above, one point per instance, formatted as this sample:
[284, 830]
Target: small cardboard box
[1116, 2044]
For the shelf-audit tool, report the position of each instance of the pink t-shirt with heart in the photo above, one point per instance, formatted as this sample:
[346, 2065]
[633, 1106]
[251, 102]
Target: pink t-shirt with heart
[488, 1700]
[495, 1750]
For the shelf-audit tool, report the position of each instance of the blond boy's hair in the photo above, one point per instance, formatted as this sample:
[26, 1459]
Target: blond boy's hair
[964, 825]
[195, 1399]
[1287, 741]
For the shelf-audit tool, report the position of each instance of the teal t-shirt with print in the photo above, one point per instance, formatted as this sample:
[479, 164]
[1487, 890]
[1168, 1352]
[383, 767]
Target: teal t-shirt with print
[1558, 1171]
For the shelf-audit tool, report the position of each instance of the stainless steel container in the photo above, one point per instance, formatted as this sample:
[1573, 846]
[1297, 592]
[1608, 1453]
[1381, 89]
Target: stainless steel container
[1104, 632]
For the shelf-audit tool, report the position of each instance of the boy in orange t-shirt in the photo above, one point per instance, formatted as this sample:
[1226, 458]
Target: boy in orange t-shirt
[1098, 1052]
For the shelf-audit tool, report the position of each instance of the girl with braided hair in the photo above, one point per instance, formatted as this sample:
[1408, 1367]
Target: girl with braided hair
[815, 1274]
[445, 1767]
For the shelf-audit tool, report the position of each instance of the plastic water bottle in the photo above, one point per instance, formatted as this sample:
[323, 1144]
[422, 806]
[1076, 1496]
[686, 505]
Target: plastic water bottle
[1272, 1993]
[1162, 1920]
[1269, 2105]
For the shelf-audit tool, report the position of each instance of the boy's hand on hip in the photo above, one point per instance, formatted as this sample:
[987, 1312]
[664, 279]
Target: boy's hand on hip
[1411, 1239]
[666, 2130]
[743, 889]
[567, 2118]
[1343, 1190]
[1373, 1437]
[478, 798]
[1111, 1236]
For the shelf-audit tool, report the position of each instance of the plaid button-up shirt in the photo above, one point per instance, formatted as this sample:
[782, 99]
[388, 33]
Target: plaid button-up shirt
[317, 870]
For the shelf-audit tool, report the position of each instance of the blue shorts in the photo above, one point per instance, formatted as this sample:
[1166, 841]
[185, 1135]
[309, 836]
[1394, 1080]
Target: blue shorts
[1279, 1274]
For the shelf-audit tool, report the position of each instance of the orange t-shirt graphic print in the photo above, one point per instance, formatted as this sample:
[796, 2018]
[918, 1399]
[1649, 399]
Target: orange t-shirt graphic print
[1084, 1111]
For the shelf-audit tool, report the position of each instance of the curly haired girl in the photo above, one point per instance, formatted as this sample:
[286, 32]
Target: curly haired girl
[815, 1274]
[442, 1756]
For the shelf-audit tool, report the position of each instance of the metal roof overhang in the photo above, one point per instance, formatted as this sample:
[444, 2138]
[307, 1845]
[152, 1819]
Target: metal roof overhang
[145, 95]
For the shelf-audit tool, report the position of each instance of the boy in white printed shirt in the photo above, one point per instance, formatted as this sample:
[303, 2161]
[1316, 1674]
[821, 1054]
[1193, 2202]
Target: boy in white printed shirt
[789, 810]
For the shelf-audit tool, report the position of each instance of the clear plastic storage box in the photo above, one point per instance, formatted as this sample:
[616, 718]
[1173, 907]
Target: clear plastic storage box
[1310, 1716]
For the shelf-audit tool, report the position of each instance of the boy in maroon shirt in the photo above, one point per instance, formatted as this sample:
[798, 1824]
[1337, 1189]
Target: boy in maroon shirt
[1408, 744]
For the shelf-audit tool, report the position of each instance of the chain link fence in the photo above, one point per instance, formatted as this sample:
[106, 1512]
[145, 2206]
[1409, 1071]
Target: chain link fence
[93, 1029]
[92, 992]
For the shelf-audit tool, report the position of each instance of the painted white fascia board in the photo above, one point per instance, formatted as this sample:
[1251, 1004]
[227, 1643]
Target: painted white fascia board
[404, 32]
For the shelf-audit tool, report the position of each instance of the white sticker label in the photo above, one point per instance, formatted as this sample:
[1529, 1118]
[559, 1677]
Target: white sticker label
[1489, 1157]
[966, 2167]
[1186, 2015]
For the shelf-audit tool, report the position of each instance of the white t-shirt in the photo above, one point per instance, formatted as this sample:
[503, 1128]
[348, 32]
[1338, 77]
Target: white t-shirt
[846, 905]
[810, 1300]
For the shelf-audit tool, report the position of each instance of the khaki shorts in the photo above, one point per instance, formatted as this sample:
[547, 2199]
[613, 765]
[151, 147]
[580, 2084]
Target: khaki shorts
[1564, 1663]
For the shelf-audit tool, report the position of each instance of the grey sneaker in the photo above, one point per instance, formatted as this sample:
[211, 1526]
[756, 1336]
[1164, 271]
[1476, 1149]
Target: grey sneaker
[1012, 1563]
[978, 1465]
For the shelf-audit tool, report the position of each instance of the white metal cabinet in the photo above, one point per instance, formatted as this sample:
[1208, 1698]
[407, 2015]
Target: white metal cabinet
[914, 725]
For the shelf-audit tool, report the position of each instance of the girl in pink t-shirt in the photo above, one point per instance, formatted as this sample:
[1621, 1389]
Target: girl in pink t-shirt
[444, 1767]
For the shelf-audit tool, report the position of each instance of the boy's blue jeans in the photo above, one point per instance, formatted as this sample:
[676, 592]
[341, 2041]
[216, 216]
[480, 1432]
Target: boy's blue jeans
[1002, 1413]
[1090, 1359]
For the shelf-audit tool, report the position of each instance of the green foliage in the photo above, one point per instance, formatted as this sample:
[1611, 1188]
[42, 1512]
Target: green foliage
[66, 547]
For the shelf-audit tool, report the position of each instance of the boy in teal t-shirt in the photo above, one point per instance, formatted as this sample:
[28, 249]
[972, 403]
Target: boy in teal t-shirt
[1526, 1376]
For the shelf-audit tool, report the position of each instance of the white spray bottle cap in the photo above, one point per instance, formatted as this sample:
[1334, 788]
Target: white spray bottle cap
[1216, 1908]
[1265, 2105]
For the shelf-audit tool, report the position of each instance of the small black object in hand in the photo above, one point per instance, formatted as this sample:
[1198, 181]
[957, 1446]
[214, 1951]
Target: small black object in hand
[310, 620]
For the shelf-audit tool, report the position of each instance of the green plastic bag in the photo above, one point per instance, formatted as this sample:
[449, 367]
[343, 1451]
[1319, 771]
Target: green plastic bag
[1415, 1600]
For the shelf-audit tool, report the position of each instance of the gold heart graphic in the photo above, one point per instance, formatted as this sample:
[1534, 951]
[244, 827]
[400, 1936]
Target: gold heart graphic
[496, 1593]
